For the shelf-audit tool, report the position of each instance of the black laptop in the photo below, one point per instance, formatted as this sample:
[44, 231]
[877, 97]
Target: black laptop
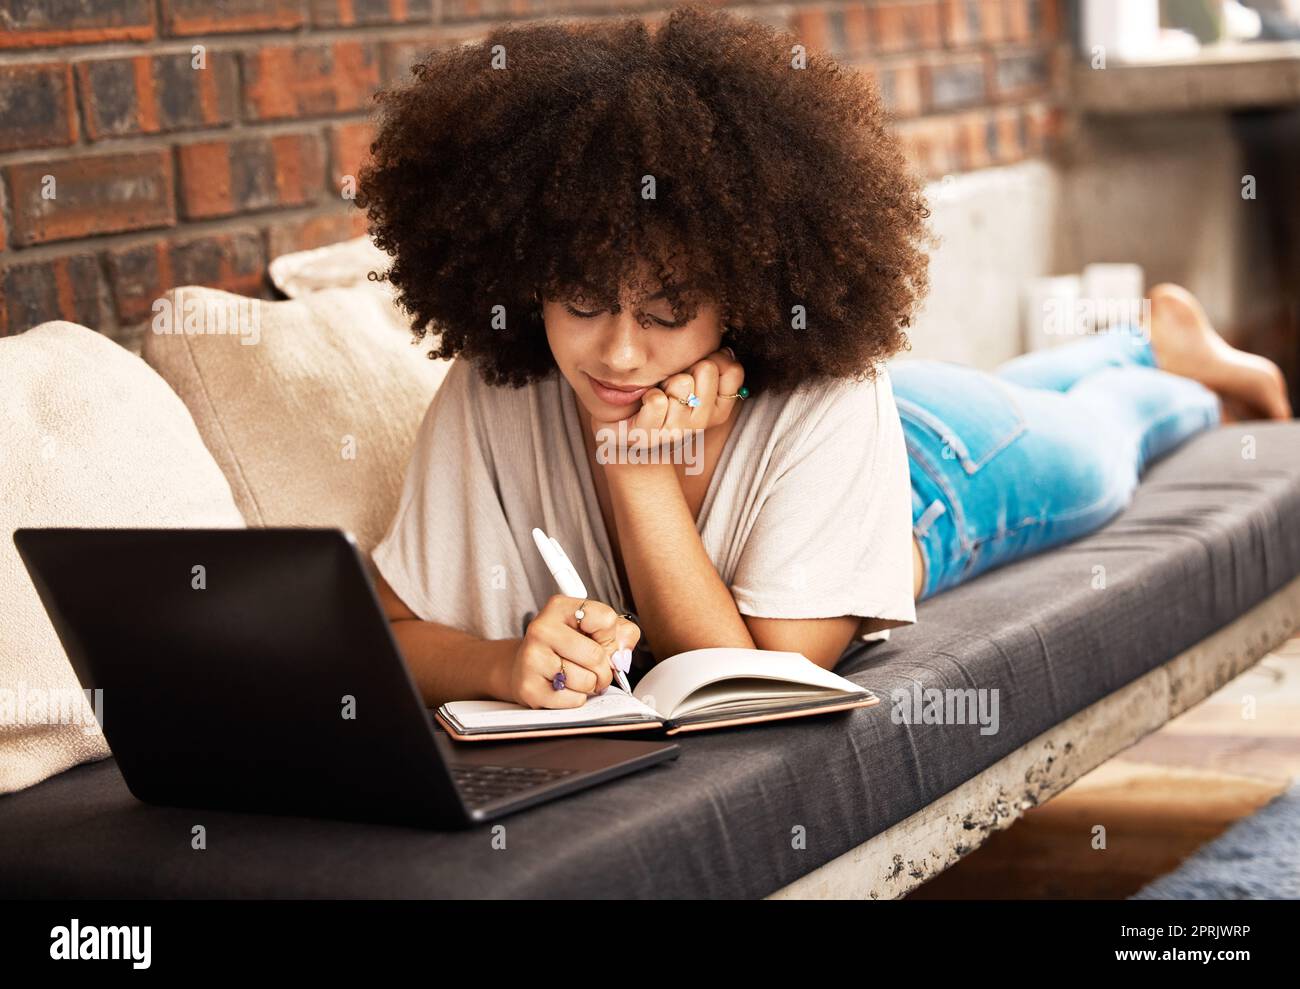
[254, 670]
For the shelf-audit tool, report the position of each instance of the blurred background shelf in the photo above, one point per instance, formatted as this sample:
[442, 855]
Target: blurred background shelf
[1223, 76]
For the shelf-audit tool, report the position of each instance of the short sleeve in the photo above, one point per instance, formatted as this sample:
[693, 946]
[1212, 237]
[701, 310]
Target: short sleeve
[448, 552]
[833, 535]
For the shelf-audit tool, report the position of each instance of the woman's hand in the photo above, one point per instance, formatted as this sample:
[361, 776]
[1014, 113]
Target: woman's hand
[586, 648]
[662, 419]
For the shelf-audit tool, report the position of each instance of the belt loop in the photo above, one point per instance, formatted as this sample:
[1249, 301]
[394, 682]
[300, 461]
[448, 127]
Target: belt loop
[932, 512]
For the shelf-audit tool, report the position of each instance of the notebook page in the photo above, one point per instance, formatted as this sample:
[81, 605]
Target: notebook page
[613, 703]
[746, 692]
[667, 685]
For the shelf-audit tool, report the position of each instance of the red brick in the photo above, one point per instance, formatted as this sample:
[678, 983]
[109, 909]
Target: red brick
[232, 260]
[93, 195]
[1020, 21]
[137, 276]
[69, 287]
[1033, 123]
[299, 167]
[1017, 75]
[857, 29]
[900, 27]
[974, 144]
[399, 56]
[282, 81]
[349, 147]
[151, 95]
[900, 85]
[961, 22]
[205, 180]
[931, 144]
[1059, 123]
[461, 10]
[1030, 130]
[1050, 19]
[352, 13]
[847, 35]
[955, 81]
[306, 233]
[993, 21]
[1060, 59]
[1009, 124]
[219, 178]
[186, 17]
[46, 23]
[812, 27]
[38, 108]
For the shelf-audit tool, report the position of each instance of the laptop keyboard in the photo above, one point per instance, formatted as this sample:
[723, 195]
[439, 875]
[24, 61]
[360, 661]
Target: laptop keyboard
[481, 784]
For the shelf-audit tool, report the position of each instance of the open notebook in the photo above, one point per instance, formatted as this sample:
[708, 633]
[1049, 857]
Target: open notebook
[702, 688]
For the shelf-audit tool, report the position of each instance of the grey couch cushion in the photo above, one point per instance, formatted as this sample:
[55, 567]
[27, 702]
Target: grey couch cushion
[1209, 534]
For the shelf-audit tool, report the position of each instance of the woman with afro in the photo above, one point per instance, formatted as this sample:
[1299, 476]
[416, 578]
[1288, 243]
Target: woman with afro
[673, 262]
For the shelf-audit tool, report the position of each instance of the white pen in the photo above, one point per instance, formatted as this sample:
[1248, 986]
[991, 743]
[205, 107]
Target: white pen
[557, 561]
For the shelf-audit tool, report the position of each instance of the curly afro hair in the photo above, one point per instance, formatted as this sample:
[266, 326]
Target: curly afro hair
[551, 160]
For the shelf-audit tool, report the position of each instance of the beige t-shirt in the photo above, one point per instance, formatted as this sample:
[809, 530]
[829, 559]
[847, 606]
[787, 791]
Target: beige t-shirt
[807, 515]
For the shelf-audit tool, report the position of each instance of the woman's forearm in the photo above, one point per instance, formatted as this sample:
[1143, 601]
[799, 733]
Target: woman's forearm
[681, 601]
[450, 665]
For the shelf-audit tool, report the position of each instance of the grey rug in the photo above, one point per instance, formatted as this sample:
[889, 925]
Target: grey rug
[1258, 858]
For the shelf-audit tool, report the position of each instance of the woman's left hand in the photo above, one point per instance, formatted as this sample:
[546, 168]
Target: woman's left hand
[663, 419]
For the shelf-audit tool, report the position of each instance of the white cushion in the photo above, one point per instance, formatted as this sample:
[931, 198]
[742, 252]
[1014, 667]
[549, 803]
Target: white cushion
[89, 436]
[310, 410]
[346, 264]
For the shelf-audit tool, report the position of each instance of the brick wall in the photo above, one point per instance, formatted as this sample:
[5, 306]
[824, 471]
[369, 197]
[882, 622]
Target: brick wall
[152, 143]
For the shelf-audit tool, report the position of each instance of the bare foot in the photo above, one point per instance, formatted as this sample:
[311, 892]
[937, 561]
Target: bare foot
[1186, 344]
[1230, 410]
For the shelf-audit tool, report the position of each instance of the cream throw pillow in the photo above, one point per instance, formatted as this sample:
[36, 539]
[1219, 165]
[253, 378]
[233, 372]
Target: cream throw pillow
[310, 406]
[345, 264]
[89, 436]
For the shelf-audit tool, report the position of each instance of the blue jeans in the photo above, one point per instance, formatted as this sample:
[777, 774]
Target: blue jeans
[1047, 448]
